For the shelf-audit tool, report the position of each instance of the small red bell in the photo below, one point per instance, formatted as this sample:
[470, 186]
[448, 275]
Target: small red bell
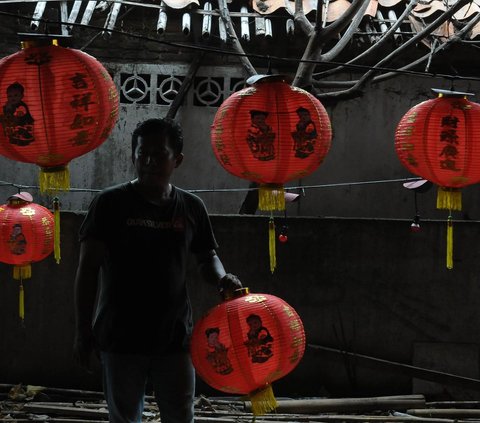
[283, 238]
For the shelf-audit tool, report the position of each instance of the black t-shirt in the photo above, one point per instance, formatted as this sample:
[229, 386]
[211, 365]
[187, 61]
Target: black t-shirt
[143, 303]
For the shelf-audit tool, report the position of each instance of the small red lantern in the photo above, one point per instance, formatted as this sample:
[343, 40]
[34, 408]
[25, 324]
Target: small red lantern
[438, 140]
[56, 104]
[271, 133]
[247, 342]
[26, 236]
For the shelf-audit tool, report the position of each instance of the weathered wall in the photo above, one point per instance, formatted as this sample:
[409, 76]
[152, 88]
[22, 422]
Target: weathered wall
[365, 285]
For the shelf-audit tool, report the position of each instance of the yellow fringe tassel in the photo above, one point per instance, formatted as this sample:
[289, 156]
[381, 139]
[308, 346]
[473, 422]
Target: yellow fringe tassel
[271, 197]
[21, 302]
[54, 179]
[449, 199]
[22, 272]
[272, 245]
[263, 401]
[449, 243]
[56, 233]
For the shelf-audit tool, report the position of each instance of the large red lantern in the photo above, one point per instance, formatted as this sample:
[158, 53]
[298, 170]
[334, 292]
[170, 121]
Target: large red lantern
[26, 236]
[271, 133]
[438, 140]
[247, 342]
[56, 104]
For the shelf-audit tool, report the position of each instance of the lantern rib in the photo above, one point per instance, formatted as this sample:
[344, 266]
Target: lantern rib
[43, 108]
[246, 375]
[425, 143]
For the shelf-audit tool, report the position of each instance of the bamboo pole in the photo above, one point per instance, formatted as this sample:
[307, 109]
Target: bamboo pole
[323, 405]
[452, 413]
[414, 371]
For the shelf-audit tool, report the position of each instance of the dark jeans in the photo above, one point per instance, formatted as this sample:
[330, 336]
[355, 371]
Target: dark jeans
[172, 378]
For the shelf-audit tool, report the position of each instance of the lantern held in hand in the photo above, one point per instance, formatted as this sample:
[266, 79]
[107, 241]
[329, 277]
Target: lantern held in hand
[438, 140]
[247, 342]
[56, 104]
[26, 236]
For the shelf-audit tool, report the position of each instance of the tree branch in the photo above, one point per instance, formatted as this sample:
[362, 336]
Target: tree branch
[319, 37]
[359, 85]
[380, 43]
[300, 19]
[226, 19]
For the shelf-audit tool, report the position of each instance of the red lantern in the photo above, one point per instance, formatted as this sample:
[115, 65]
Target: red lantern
[56, 103]
[245, 343]
[26, 236]
[271, 133]
[438, 140]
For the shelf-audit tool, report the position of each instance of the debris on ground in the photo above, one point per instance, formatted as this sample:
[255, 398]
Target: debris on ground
[27, 403]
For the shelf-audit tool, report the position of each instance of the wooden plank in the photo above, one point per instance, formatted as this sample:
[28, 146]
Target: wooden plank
[64, 411]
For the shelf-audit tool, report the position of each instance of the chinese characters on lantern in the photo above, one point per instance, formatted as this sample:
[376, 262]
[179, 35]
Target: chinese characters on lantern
[297, 334]
[448, 135]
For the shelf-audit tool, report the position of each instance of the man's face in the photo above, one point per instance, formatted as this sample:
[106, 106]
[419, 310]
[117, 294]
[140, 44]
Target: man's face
[154, 159]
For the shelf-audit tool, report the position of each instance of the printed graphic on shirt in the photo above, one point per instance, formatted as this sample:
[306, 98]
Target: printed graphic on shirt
[177, 224]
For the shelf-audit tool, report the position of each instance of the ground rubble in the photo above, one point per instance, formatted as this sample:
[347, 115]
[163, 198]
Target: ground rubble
[27, 403]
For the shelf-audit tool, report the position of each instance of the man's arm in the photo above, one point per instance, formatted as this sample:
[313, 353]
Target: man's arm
[213, 272]
[92, 254]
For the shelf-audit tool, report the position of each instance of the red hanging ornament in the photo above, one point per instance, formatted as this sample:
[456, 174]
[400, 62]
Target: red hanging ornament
[26, 236]
[271, 133]
[56, 104]
[438, 140]
[244, 344]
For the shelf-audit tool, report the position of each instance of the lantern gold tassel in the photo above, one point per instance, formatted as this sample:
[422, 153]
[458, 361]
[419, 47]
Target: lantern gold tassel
[449, 199]
[56, 233]
[271, 197]
[449, 243]
[271, 245]
[21, 302]
[22, 272]
[54, 179]
[263, 401]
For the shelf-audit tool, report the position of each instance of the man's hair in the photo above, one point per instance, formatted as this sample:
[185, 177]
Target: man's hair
[160, 128]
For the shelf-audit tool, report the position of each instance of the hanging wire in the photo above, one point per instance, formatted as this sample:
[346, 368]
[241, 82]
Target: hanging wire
[227, 190]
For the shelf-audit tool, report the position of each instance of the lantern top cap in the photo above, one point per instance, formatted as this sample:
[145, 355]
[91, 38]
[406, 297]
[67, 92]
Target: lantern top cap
[449, 93]
[240, 292]
[255, 79]
[40, 40]
[23, 196]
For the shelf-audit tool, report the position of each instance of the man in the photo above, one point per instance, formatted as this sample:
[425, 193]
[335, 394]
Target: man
[139, 234]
